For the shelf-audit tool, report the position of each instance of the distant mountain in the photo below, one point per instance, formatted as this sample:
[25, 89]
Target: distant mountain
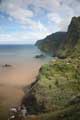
[52, 43]
[56, 90]
[62, 44]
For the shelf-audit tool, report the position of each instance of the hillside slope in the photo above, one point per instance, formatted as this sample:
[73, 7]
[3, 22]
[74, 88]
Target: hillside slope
[63, 44]
[52, 43]
[57, 87]
[72, 43]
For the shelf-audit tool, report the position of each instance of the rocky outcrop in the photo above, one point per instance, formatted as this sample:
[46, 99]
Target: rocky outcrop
[52, 43]
[58, 83]
[63, 44]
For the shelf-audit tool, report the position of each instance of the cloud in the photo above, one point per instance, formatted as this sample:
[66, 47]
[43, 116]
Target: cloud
[21, 37]
[54, 17]
[40, 17]
[64, 14]
[25, 10]
[16, 12]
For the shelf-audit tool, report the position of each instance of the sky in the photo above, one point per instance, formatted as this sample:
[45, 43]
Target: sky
[26, 21]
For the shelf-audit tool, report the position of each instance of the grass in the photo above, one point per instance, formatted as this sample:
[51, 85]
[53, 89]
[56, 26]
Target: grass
[68, 113]
[58, 82]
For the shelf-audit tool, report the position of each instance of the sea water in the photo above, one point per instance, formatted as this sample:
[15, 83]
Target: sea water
[22, 72]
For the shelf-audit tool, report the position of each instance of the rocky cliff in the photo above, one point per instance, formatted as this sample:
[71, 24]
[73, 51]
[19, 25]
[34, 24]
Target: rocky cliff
[57, 86]
[52, 43]
[63, 44]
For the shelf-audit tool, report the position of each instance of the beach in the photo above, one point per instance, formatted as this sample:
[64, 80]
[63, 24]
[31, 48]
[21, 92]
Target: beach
[22, 71]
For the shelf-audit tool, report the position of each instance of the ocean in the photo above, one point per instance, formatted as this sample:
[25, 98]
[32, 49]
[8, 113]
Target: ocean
[23, 71]
[17, 53]
[24, 65]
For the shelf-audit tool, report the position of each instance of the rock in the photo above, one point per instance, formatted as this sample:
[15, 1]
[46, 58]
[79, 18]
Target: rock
[6, 65]
[39, 56]
[63, 44]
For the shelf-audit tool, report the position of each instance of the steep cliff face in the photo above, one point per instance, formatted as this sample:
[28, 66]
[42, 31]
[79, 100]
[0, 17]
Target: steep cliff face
[73, 34]
[63, 44]
[58, 83]
[72, 43]
[52, 43]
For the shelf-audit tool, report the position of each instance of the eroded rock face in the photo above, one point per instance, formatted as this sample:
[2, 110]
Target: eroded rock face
[62, 44]
[72, 43]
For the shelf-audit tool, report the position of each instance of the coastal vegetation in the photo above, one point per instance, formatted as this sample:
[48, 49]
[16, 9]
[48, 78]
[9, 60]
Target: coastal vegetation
[57, 87]
[55, 94]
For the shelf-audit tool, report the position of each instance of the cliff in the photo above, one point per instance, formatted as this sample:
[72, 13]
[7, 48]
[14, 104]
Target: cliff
[63, 44]
[72, 42]
[57, 87]
[52, 43]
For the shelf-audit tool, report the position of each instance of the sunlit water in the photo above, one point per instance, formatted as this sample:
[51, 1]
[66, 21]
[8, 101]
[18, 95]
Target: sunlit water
[23, 71]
